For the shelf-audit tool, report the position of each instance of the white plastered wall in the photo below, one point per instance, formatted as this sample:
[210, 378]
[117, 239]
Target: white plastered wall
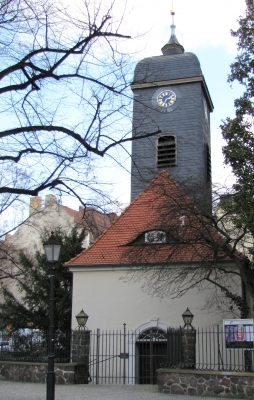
[110, 302]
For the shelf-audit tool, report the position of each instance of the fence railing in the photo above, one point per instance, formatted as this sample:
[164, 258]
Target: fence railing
[215, 349]
[126, 357]
[32, 345]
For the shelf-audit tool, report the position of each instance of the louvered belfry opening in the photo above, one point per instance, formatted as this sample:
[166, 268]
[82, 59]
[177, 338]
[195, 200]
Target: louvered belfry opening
[166, 151]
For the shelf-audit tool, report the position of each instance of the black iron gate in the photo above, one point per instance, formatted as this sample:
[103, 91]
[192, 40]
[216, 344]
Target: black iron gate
[151, 346]
[127, 357]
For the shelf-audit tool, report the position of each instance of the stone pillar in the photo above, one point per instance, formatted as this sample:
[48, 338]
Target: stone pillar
[188, 348]
[80, 354]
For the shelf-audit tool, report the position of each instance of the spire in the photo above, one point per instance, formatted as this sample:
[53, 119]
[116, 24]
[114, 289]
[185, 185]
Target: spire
[173, 46]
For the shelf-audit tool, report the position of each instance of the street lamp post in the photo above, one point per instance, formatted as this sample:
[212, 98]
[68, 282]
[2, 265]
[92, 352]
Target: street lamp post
[52, 250]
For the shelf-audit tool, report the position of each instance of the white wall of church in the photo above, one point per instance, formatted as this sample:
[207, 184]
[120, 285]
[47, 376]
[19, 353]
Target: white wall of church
[110, 302]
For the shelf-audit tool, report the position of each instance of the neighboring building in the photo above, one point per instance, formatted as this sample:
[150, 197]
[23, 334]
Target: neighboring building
[48, 216]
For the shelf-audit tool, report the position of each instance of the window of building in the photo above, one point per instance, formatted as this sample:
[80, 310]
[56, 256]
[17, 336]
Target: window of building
[166, 151]
[155, 237]
[208, 163]
[205, 110]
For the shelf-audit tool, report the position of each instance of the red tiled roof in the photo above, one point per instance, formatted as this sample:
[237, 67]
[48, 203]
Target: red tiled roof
[161, 206]
[69, 211]
[93, 220]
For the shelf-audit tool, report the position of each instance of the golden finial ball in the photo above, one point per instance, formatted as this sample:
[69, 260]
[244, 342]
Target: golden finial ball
[172, 12]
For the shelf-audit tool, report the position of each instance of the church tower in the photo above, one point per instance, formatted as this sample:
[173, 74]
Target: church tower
[171, 98]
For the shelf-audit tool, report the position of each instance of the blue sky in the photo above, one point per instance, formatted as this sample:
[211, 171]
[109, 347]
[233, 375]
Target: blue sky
[202, 27]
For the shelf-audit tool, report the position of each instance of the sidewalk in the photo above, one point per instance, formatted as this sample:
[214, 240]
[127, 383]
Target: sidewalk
[37, 391]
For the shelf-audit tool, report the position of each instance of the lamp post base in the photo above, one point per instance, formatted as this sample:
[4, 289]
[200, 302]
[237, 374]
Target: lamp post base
[51, 386]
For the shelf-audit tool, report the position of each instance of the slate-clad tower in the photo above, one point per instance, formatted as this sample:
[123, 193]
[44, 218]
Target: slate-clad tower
[171, 98]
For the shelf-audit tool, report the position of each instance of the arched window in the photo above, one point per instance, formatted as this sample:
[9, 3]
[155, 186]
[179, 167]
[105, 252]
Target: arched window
[166, 151]
[152, 334]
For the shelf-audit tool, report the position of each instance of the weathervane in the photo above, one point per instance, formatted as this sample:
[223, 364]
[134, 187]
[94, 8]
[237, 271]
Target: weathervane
[172, 12]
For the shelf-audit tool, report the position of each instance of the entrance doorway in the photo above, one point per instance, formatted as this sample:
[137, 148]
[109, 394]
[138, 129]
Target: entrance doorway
[151, 351]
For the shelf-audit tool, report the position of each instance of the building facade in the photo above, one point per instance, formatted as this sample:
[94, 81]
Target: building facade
[124, 276]
[47, 215]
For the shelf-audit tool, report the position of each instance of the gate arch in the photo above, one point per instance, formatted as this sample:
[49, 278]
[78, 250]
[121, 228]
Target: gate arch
[147, 349]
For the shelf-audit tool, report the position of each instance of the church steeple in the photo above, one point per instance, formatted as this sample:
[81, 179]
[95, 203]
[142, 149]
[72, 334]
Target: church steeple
[171, 98]
[173, 46]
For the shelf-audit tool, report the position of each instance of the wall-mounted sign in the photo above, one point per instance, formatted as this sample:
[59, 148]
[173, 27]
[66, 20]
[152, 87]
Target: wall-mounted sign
[238, 333]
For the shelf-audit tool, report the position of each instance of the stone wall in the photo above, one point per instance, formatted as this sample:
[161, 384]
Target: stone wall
[230, 385]
[36, 373]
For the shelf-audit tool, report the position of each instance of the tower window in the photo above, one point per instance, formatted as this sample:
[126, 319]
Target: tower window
[208, 163]
[166, 151]
[205, 110]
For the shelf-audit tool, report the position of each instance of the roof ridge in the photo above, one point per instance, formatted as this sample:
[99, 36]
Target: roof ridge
[66, 208]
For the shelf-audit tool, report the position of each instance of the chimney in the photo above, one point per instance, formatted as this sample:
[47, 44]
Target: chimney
[7, 237]
[35, 204]
[50, 199]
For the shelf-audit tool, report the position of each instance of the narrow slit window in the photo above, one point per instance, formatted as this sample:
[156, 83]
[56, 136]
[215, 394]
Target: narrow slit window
[166, 151]
[208, 163]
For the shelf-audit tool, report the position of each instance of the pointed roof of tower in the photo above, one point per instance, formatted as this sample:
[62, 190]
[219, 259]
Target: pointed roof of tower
[173, 67]
[163, 212]
[173, 46]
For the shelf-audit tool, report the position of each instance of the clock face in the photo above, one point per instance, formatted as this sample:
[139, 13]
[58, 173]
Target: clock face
[166, 99]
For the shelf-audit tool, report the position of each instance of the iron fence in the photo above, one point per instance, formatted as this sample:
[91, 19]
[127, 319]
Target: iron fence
[215, 349]
[125, 357]
[32, 345]
[133, 357]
